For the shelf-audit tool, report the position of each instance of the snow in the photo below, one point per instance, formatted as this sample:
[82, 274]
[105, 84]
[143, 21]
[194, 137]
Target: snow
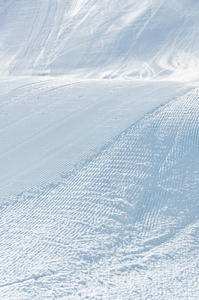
[99, 153]
[65, 121]
[91, 39]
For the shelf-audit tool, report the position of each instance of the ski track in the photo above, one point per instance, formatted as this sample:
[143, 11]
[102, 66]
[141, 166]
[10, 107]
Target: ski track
[139, 39]
[122, 225]
[99, 179]
[41, 121]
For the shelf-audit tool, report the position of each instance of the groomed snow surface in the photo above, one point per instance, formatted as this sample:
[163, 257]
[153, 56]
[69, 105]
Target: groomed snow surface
[99, 178]
[99, 196]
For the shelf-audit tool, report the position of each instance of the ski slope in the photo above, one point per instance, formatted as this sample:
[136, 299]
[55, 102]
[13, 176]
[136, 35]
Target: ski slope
[99, 149]
[149, 39]
[123, 224]
[65, 122]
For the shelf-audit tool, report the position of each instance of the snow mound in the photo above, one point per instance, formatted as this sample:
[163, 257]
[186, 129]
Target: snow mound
[49, 125]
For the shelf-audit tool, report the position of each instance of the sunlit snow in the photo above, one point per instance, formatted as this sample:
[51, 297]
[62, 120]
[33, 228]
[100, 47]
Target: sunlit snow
[99, 149]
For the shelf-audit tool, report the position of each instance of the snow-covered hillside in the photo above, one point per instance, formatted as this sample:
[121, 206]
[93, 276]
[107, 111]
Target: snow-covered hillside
[100, 39]
[49, 125]
[123, 224]
[99, 149]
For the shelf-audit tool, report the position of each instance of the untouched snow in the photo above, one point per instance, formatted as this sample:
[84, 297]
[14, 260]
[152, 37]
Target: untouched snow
[99, 175]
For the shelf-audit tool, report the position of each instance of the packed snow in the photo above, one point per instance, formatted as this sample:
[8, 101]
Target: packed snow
[100, 39]
[99, 149]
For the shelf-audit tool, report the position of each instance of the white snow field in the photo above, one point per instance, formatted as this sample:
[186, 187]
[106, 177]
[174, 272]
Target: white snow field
[99, 149]
[140, 39]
